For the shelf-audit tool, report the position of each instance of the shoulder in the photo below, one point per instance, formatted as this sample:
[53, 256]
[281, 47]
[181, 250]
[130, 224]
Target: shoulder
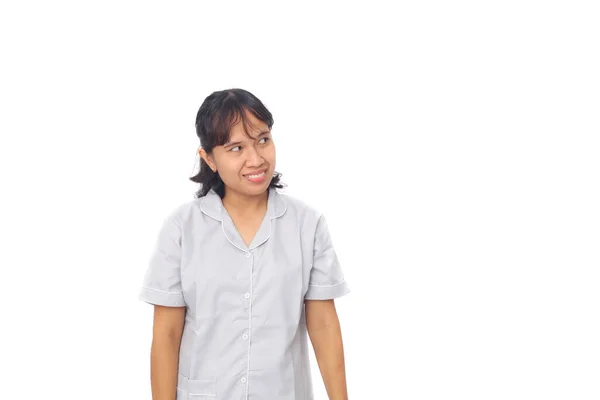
[182, 211]
[301, 209]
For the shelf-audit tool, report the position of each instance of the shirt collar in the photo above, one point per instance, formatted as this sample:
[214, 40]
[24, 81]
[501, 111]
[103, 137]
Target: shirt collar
[212, 205]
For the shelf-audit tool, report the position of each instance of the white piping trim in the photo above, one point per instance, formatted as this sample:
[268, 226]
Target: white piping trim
[161, 291]
[249, 326]
[225, 234]
[272, 217]
[202, 209]
[196, 394]
[328, 285]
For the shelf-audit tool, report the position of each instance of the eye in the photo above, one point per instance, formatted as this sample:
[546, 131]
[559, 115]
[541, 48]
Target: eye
[266, 139]
[235, 148]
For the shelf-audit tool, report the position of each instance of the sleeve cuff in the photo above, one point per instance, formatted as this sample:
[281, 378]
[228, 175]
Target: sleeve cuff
[319, 292]
[158, 297]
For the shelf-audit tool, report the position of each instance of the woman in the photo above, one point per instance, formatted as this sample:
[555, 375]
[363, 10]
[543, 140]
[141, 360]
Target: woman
[242, 274]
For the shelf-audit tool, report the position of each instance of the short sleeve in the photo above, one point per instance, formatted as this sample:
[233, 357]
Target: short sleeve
[162, 281]
[326, 276]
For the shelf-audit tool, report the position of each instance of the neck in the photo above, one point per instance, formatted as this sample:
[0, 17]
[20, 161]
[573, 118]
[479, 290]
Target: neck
[244, 204]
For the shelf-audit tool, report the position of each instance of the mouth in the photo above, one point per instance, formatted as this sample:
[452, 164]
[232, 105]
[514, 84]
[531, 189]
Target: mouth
[257, 177]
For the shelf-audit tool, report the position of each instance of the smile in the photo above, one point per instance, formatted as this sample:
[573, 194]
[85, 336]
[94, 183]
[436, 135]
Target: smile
[256, 177]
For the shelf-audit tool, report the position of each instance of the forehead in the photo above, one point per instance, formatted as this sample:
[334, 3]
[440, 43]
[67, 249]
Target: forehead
[246, 127]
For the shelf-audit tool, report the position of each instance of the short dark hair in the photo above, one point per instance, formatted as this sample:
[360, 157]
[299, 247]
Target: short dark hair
[219, 112]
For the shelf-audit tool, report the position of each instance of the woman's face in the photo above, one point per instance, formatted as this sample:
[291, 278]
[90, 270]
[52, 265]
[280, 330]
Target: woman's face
[246, 165]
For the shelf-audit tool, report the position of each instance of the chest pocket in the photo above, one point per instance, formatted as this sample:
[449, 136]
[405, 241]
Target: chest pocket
[195, 389]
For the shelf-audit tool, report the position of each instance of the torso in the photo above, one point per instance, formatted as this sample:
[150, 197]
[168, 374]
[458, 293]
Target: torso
[244, 304]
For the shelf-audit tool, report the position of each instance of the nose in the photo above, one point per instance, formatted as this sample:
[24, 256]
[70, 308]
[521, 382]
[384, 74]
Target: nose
[254, 157]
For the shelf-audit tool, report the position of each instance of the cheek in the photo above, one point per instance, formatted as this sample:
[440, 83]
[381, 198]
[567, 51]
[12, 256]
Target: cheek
[231, 167]
[269, 155]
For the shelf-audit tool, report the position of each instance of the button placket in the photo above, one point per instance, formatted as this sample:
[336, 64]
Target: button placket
[245, 335]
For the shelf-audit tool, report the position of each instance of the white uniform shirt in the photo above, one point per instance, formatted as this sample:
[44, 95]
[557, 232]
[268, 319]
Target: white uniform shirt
[244, 336]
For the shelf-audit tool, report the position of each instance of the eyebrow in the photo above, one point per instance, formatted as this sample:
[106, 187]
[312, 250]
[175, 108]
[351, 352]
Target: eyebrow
[229, 144]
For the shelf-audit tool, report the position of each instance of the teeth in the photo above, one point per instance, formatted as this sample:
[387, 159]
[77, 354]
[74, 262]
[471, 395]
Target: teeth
[256, 176]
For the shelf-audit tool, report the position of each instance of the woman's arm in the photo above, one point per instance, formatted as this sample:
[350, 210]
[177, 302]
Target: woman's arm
[325, 334]
[164, 354]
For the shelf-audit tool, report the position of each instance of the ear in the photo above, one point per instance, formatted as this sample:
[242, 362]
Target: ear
[208, 159]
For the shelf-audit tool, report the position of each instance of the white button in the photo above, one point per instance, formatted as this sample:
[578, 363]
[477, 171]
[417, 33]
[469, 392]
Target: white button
[245, 336]
[247, 295]
[248, 255]
[243, 380]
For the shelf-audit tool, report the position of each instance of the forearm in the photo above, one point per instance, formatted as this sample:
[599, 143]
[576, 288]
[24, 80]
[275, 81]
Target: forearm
[164, 360]
[329, 351]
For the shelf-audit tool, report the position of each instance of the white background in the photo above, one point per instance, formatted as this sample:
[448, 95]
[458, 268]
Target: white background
[453, 147]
